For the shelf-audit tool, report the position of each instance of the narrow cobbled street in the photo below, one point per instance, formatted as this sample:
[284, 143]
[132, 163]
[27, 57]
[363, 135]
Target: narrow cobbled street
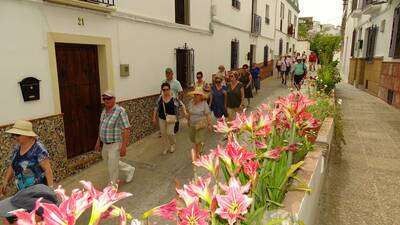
[154, 179]
[362, 186]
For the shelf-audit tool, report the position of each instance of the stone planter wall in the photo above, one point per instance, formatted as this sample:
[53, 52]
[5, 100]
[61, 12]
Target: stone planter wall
[301, 205]
[51, 133]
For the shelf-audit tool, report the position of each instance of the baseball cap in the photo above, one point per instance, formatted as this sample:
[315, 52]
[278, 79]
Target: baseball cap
[26, 199]
[108, 93]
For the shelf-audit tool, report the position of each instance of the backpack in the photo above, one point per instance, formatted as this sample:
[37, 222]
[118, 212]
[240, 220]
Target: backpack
[300, 69]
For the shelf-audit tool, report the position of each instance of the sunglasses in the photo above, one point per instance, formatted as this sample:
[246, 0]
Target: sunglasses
[107, 99]
[165, 89]
[218, 81]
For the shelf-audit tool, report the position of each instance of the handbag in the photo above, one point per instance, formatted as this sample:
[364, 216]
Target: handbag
[201, 124]
[169, 118]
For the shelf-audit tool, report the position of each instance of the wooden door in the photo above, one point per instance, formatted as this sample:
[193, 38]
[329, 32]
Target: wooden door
[252, 57]
[185, 67]
[79, 84]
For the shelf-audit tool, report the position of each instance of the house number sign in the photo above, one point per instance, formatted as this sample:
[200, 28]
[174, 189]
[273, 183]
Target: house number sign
[81, 21]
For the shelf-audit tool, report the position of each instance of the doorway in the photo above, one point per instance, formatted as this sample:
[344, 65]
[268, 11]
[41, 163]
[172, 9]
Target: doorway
[185, 66]
[252, 57]
[79, 87]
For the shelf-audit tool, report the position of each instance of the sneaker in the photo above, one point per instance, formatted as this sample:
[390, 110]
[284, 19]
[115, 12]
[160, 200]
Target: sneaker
[129, 177]
[172, 149]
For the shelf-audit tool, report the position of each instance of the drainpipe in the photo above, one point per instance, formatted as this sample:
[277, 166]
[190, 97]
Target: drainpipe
[211, 26]
[276, 10]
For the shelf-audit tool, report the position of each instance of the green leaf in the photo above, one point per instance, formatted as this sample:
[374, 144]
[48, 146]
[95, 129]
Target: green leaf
[275, 221]
[255, 217]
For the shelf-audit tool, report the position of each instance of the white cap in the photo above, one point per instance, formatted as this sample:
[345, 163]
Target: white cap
[108, 93]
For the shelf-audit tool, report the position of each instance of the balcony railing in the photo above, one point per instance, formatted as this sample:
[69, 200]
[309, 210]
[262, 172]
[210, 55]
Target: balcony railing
[98, 5]
[371, 6]
[290, 30]
[256, 24]
[105, 2]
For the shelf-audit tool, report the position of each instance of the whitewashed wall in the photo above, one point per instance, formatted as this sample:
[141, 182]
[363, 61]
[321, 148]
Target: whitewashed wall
[383, 37]
[147, 47]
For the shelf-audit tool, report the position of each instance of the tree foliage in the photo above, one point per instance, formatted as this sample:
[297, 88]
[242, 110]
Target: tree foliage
[325, 46]
[303, 31]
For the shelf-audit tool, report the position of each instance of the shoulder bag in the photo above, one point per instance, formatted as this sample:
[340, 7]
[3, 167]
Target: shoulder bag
[169, 118]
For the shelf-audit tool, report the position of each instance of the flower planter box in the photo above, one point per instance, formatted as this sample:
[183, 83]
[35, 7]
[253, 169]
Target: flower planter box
[303, 206]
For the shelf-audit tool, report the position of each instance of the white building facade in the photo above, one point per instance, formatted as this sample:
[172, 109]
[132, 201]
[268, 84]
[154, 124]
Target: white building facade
[77, 49]
[370, 56]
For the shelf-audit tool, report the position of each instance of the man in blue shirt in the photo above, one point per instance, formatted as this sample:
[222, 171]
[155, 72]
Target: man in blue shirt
[255, 73]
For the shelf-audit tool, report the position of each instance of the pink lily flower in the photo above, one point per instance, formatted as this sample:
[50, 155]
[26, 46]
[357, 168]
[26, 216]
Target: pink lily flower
[55, 216]
[291, 148]
[210, 162]
[223, 155]
[238, 153]
[122, 217]
[222, 126]
[89, 187]
[239, 121]
[234, 184]
[250, 169]
[104, 201]
[233, 205]
[249, 121]
[193, 215]
[24, 217]
[274, 153]
[200, 187]
[261, 145]
[187, 195]
[264, 125]
[69, 210]
[167, 211]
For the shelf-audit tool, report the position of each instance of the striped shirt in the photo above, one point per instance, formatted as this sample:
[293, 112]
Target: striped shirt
[112, 124]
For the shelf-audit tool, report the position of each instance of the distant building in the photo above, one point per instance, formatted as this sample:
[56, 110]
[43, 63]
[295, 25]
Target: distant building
[308, 21]
[371, 50]
[315, 27]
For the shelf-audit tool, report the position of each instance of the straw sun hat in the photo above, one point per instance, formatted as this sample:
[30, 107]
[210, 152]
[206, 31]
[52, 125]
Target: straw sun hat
[22, 127]
[197, 92]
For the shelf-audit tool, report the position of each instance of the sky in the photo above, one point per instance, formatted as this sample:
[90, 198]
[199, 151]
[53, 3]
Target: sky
[325, 11]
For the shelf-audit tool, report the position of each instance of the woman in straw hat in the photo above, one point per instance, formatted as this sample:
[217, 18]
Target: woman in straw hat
[199, 119]
[30, 164]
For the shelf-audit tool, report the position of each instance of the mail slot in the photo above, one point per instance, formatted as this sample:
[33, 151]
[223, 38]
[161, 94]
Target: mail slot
[30, 89]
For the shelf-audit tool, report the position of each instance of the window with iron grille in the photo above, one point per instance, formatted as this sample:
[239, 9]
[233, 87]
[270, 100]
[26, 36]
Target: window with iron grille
[280, 47]
[236, 4]
[182, 12]
[354, 5]
[287, 47]
[266, 55]
[353, 43]
[395, 40]
[234, 54]
[267, 20]
[371, 40]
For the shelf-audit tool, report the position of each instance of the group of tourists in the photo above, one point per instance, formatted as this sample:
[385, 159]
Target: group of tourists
[224, 96]
[293, 68]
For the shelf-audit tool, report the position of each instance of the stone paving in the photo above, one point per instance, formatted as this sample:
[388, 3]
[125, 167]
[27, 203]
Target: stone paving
[154, 179]
[363, 182]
